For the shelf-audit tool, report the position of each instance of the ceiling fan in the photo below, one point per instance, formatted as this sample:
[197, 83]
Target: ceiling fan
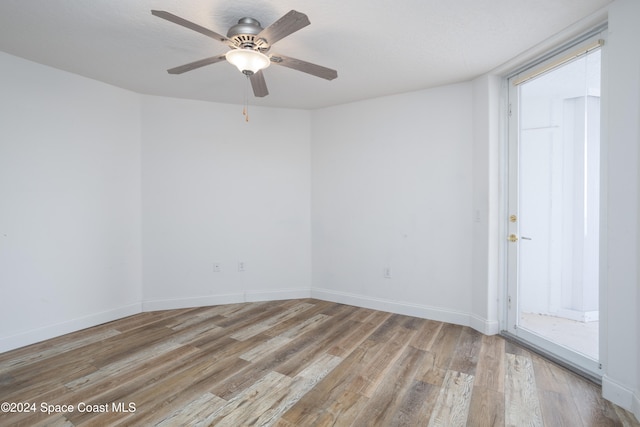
[250, 45]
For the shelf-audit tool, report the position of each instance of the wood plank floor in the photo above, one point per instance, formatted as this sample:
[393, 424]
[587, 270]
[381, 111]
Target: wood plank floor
[291, 363]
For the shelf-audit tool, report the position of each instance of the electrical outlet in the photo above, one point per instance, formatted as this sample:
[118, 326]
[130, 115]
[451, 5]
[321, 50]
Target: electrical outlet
[216, 267]
[241, 266]
[387, 273]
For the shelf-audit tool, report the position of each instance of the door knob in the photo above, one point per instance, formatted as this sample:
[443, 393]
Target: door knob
[513, 238]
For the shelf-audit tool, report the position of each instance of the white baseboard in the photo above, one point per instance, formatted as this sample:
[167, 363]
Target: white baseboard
[278, 294]
[40, 334]
[201, 301]
[619, 394]
[417, 310]
[426, 312]
[208, 300]
[487, 327]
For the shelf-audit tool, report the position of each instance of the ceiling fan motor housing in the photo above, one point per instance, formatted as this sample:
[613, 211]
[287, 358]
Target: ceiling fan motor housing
[244, 35]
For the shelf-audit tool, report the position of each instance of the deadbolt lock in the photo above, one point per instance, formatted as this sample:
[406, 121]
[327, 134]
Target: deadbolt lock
[513, 238]
[513, 218]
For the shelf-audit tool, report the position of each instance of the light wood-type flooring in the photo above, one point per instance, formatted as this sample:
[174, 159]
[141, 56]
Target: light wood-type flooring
[291, 363]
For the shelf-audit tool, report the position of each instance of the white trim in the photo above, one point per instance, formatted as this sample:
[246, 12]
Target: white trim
[52, 331]
[484, 326]
[619, 394]
[487, 327]
[503, 210]
[201, 301]
[220, 299]
[278, 294]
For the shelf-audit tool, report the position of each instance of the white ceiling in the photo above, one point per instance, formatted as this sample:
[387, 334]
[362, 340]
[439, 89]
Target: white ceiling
[378, 47]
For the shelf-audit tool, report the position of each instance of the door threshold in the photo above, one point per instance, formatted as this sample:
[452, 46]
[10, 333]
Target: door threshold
[578, 370]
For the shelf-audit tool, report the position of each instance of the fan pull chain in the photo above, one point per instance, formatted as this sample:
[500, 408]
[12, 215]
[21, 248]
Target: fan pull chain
[245, 109]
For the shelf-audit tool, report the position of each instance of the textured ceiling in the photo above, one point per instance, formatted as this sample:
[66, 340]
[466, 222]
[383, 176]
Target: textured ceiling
[378, 47]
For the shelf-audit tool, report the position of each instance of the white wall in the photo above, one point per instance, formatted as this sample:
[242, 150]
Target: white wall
[217, 189]
[621, 135]
[69, 202]
[488, 237]
[392, 188]
[408, 182]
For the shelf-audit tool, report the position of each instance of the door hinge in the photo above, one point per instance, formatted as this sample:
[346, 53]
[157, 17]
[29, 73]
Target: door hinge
[509, 112]
[509, 301]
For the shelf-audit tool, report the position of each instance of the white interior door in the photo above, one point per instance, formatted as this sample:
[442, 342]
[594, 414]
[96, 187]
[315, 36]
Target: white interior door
[554, 195]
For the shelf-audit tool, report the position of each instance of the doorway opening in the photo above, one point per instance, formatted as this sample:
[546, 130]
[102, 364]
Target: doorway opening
[554, 207]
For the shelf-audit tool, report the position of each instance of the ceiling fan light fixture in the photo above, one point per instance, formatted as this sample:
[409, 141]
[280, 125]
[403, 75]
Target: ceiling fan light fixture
[248, 61]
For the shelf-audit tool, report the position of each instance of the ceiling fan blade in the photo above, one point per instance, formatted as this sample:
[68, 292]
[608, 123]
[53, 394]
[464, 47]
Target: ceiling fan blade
[259, 85]
[305, 67]
[288, 24]
[188, 24]
[196, 64]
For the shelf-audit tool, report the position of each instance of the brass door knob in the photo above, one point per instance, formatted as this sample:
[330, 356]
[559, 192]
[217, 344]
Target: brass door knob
[513, 238]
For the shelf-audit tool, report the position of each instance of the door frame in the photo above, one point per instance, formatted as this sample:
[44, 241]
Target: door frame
[509, 251]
